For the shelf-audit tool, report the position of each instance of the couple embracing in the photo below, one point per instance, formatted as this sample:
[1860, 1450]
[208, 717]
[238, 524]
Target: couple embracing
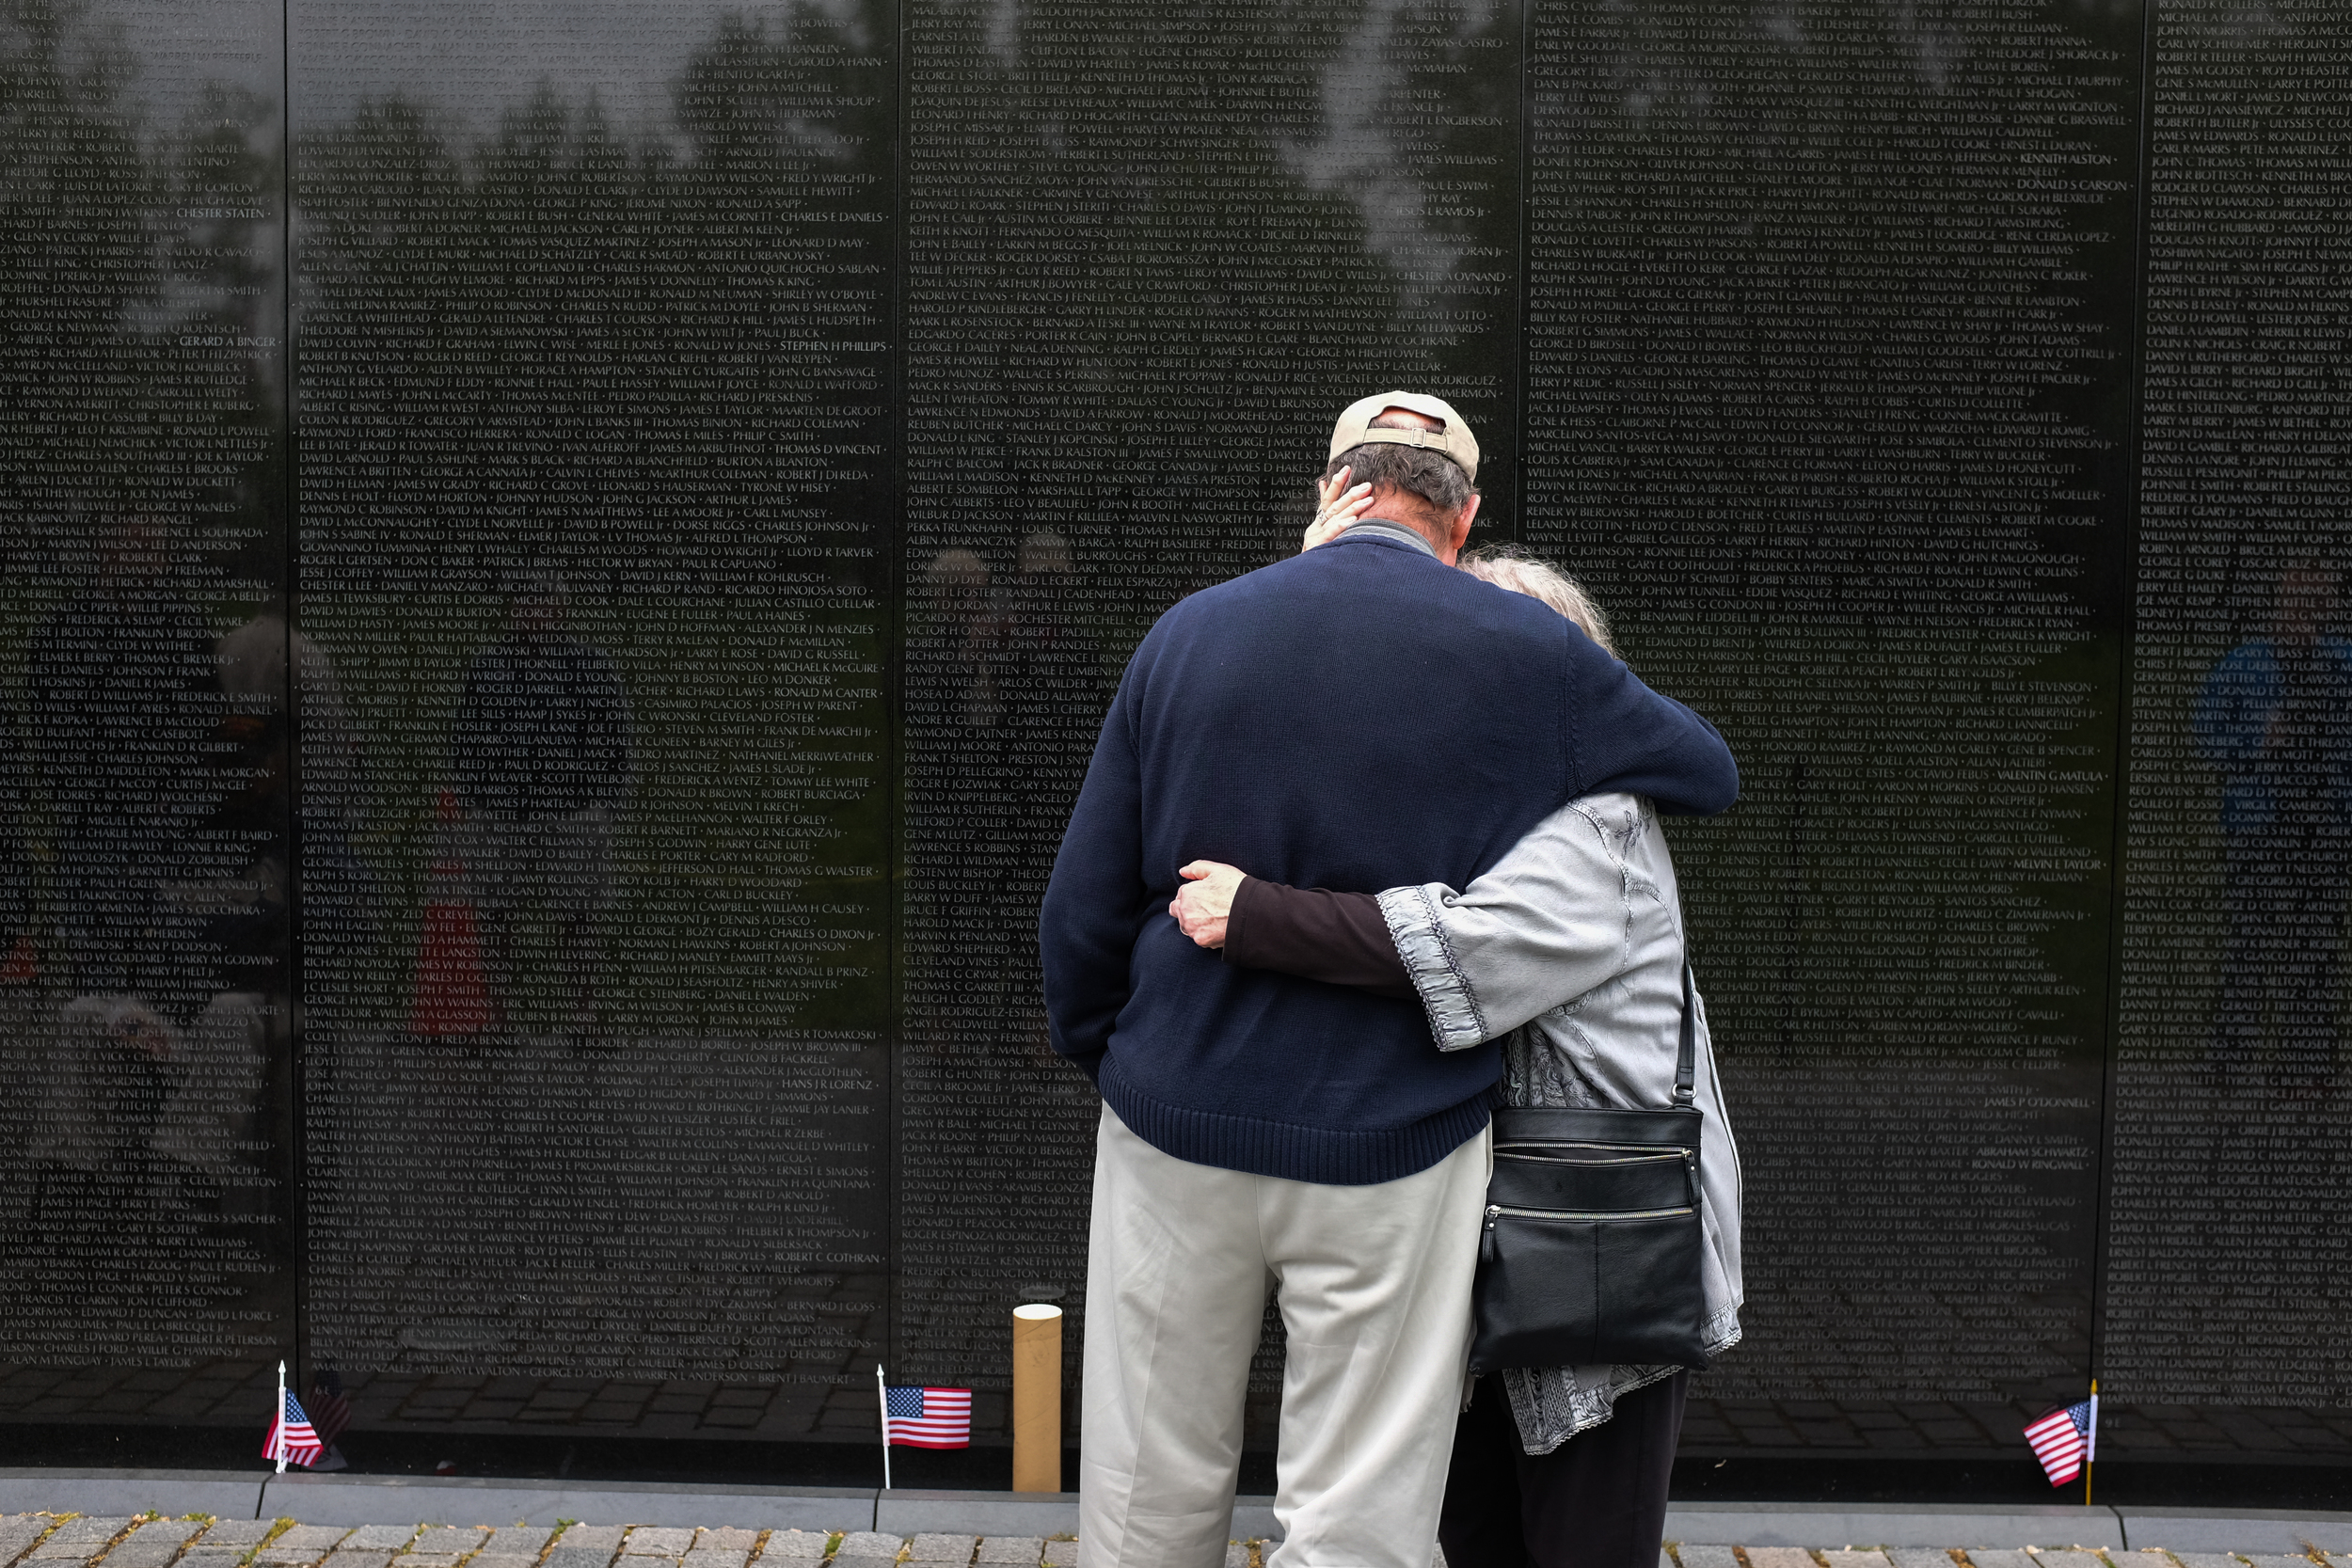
[1368, 848]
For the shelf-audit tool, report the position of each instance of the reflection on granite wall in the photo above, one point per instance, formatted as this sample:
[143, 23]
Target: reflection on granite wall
[591, 525]
[2229, 1256]
[1827, 376]
[1119, 348]
[146, 875]
[564, 557]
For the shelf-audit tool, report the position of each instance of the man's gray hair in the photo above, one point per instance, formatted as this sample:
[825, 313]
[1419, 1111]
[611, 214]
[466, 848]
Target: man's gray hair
[1508, 566]
[1418, 471]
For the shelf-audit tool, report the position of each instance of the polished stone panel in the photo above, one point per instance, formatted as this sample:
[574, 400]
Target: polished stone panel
[1151, 253]
[1829, 400]
[595, 484]
[145, 798]
[2229, 1248]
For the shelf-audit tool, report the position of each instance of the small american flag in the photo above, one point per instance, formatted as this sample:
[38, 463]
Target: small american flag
[291, 1436]
[927, 1418]
[331, 1406]
[2064, 1439]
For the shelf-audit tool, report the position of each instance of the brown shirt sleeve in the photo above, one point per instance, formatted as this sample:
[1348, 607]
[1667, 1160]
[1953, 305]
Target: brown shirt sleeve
[1339, 938]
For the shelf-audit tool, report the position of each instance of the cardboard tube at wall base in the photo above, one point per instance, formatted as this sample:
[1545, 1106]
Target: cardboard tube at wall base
[1037, 1399]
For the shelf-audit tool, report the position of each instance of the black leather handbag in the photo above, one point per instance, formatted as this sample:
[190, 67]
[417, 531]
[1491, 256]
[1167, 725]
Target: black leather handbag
[1593, 1246]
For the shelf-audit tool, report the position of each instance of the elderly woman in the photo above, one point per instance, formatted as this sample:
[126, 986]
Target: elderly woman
[1570, 950]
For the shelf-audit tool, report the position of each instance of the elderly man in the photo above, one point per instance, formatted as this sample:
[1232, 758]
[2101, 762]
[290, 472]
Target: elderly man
[1358, 717]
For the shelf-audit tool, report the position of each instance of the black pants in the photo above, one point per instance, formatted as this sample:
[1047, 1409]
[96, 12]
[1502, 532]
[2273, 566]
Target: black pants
[1598, 1500]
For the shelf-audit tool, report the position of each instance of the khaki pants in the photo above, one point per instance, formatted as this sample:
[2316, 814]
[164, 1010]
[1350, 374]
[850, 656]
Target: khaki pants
[1374, 1286]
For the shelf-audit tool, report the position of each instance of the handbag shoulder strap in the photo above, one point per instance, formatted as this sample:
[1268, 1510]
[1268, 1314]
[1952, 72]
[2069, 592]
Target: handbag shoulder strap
[1686, 1061]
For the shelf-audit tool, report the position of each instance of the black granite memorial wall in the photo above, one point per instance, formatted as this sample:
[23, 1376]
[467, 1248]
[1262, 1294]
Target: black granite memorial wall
[564, 560]
[146, 857]
[2228, 1252]
[1828, 393]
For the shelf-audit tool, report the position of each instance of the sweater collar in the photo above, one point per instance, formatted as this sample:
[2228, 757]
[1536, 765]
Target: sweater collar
[1380, 528]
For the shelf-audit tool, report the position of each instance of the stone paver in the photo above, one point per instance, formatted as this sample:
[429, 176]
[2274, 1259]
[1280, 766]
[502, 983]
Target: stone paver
[426, 1560]
[599, 1538]
[1988, 1558]
[343, 1557]
[1708, 1556]
[2256, 1559]
[1061, 1554]
[650, 1541]
[153, 1543]
[1780, 1556]
[78, 1540]
[943, 1548]
[379, 1538]
[1237, 1554]
[2207, 1559]
[794, 1545]
[1862, 1559]
[212, 1557]
[508, 1559]
[304, 1543]
[2078, 1559]
[1919, 1557]
[1022, 1549]
[18, 1531]
[586, 1547]
[520, 1539]
[241, 1533]
[443, 1540]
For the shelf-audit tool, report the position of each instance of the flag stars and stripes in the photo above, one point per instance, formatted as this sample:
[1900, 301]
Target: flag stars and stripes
[290, 1435]
[2062, 1440]
[927, 1418]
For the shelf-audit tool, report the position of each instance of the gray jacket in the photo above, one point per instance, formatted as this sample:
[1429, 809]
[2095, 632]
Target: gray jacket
[1572, 949]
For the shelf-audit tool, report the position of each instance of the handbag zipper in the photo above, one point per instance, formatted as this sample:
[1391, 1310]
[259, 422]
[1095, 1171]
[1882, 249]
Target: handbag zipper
[1628, 1158]
[1496, 1210]
[1637, 1154]
[1537, 1145]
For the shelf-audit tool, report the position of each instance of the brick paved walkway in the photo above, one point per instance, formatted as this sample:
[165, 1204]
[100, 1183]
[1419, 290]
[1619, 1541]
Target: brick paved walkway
[73, 1540]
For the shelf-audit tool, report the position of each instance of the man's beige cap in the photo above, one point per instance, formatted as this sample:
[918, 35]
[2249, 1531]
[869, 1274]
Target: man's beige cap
[1454, 440]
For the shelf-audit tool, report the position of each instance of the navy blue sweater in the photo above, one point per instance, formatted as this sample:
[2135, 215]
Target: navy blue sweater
[1357, 717]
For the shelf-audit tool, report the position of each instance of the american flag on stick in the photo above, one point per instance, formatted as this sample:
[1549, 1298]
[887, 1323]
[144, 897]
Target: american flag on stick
[291, 1436]
[2065, 1440]
[928, 1417]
